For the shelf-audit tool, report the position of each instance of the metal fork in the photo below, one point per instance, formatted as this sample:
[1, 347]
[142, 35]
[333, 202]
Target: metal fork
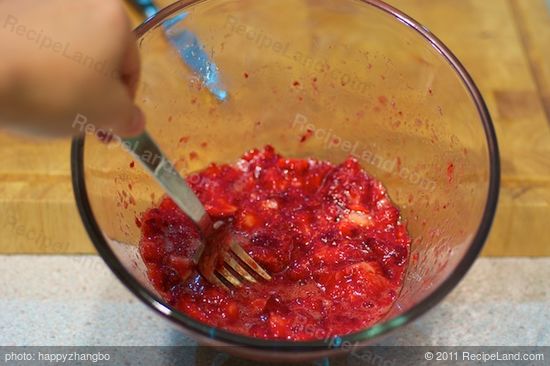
[147, 152]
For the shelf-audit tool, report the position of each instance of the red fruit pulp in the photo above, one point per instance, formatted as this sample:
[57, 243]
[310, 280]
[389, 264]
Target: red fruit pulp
[329, 236]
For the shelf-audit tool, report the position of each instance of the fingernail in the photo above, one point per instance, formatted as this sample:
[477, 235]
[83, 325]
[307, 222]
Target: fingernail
[137, 124]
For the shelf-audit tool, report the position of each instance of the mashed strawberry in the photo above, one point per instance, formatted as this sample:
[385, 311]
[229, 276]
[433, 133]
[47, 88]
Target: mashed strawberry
[329, 236]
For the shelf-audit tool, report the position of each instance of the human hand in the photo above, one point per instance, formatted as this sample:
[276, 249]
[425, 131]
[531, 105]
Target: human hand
[63, 58]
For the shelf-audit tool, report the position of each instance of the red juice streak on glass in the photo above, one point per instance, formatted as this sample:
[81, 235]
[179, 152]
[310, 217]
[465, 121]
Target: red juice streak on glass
[306, 135]
[450, 172]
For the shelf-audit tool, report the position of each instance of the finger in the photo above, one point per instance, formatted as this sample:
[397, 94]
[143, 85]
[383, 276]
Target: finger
[117, 111]
[130, 65]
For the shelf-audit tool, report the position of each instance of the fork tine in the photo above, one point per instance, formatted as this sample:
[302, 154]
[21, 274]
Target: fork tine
[231, 262]
[239, 252]
[224, 272]
[216, 281]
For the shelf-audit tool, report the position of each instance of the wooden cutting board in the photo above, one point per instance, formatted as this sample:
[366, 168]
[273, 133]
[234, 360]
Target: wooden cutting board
[503, 44]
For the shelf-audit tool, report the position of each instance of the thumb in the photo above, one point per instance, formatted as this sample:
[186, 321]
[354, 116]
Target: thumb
[119, 113]
[133, 125]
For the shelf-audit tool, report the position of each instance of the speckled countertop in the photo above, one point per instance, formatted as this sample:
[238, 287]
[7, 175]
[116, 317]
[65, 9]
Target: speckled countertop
[76, 300]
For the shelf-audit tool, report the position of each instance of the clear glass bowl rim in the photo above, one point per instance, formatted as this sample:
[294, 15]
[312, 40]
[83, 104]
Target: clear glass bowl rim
[362, 336]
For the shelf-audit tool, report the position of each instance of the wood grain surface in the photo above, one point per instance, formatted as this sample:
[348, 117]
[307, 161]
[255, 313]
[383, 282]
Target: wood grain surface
[502, 43]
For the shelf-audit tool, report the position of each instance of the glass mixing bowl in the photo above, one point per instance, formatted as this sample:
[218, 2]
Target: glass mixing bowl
[314, 78]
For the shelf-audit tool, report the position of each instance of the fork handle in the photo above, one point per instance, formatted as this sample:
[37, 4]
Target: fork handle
[145, 7]
[147, 152]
